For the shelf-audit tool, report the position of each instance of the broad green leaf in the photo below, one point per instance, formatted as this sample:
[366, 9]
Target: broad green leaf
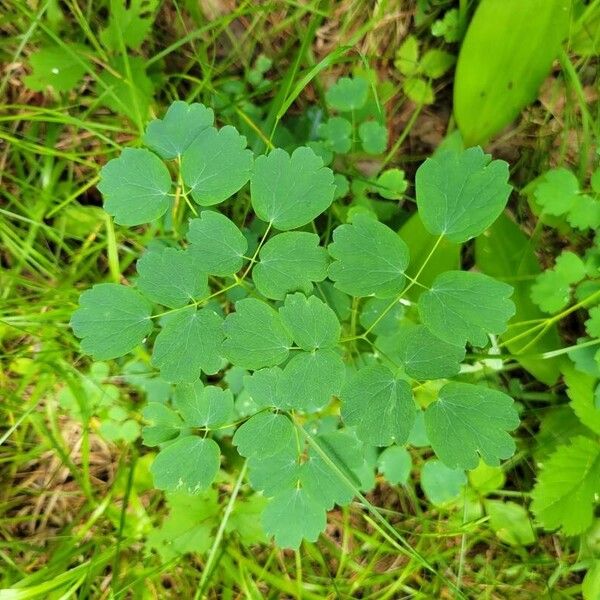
[278, 471]
[58, 67]
[369, 258]
[328, 485]
[290, 262]
[111, 320]
[189, 526]
[310, 379]
[217, 244]
[262, 387]
[337, 133]
[172, 135]
[583, 392]
[290, 191]
[568, 487]
[436, 62]
[460, 194]
[188, 464]
[471, 420]
[463, 306]
[171, 277]
[557, 192]
[294, 515]
[391, 184]
[592, 324]
[129, 24]
[203, 406]
[585, 213]
[135, 187]
[311, 322]
[348, 94]
[255, 335]
[505, 56]
[448, 26]
[373, 136]
[395, 463]
[422, 354]
[380, 406]
[511, 522]
[550, 291]
[418, 90]
[407, 56]
[485, 479]
[165, 424]
[440, 483]
[216, 165]
[189, 343]
[264, 435]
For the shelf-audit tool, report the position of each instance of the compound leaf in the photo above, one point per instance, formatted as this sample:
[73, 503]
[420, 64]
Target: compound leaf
[337, 133]
[294, 515]
[312, 323]
[310, 379]
[471, 420]
[459, 195]
[568, 486]
[111, 320]
[290, 191]
[216, 165]
[203, 406]
[464, 307]
[380, 406]
[188, 464]
[370, 258]
[290, 262]
[422, 354]
[171, 277]
[135, 187]
[171, 136]
[216, 243]
[255, 335]
[264, 435]
[189, 342]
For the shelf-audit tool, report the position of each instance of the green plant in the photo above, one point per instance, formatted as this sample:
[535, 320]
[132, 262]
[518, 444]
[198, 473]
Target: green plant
[320, 394]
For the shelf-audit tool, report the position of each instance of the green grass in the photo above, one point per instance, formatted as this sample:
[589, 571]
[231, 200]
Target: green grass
[75, 510]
